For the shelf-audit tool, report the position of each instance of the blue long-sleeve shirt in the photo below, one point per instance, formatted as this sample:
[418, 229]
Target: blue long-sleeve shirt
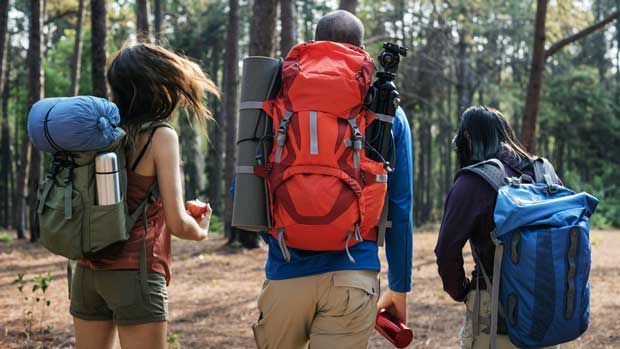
[398, 239]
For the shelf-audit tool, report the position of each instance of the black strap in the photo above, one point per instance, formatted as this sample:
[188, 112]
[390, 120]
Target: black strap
[146, 146]
[46, 131]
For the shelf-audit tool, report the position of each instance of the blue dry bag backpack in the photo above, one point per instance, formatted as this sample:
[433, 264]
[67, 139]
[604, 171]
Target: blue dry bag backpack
[542, 256]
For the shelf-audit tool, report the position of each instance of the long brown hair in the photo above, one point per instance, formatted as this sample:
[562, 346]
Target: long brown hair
[149, 83]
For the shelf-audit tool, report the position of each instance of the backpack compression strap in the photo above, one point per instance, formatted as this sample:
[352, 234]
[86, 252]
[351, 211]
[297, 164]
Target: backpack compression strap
[545, 173]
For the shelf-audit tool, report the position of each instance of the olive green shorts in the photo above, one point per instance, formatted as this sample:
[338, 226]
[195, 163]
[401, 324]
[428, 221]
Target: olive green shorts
[116, 295]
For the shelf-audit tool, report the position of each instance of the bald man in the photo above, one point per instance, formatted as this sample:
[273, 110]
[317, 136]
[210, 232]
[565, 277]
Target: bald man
[323, 300]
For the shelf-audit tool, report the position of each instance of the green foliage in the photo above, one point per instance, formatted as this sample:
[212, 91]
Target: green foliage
[580, 121]
[34, 303]
[174, 341]
[216, 226]
[5, 237]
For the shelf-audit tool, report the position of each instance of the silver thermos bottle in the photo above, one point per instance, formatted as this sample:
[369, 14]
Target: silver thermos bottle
[107, 177]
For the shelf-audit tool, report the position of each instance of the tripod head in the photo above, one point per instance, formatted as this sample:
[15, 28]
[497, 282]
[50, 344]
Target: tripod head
[389, 59]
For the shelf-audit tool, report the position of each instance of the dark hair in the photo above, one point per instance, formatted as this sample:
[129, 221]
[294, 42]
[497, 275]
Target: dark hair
[149, 83]
[340, 26]
[483, 132]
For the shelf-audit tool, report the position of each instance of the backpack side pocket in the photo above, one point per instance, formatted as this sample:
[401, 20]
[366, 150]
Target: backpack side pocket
[107, 225]
[61, 215]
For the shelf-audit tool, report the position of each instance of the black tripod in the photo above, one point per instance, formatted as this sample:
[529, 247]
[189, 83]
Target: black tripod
[383, 99]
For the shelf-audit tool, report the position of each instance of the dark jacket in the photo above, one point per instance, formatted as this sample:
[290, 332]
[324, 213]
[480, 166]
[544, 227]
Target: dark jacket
[468, 215]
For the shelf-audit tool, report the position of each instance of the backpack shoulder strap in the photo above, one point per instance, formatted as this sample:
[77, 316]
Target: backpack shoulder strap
[153, 126]
[544, 172]
[492, 171]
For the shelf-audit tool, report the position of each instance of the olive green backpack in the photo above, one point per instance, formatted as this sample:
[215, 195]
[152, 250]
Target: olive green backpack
[71, 223]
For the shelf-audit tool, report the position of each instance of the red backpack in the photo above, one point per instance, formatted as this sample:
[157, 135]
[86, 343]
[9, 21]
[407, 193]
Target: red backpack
[325, 194]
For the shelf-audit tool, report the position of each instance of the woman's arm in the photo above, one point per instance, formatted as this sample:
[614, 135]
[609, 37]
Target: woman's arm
[167, 166]
[469, 198]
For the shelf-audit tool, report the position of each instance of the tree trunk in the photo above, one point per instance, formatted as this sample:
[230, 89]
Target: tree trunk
[263, 27]
[159, 21]
[99, 43]
[142, 20]
[193, 164]
[428, 148]
[4, 25]
[528, 127]
[617, 62]
[288, 17]
[22, 182]
[230, 104]
[598, 48]
[17, 160]
[6, 164]
[35, 86]
[348, 5]
[215, 157]
[462, 82]
[76, 61]
[5, 167]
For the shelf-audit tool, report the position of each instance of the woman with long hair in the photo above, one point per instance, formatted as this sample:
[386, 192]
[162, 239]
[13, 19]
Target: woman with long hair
[483, 134]
[149, 84]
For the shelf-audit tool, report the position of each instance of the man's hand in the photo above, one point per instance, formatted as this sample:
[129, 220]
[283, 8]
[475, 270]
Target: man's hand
[395, 303]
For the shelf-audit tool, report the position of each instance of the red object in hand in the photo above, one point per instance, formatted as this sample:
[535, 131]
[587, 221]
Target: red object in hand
[197, 208]
[393, 329]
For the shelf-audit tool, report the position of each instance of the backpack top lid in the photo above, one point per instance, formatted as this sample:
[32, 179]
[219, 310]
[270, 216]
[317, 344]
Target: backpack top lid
[74, 124]
[535, 205]
[326, 76]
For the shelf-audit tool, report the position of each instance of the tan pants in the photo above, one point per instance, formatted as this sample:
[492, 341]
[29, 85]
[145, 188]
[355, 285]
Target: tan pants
[481, 341]
[330, 310]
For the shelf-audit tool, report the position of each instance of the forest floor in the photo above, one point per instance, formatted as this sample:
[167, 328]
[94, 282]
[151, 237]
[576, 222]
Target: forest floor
[214, 288]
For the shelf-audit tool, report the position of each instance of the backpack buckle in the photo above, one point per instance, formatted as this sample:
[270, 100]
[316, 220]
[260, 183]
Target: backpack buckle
[513, 182]
[553, 188]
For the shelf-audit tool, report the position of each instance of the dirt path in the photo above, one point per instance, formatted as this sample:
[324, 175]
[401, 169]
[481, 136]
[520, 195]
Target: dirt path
[214, 288]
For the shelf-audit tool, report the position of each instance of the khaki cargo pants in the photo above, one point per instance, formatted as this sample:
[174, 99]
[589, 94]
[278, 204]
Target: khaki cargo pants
[330, 310]
[481, 341]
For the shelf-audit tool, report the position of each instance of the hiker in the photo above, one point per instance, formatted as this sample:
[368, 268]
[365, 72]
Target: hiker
[328, 298]
[483, 134]
[149, 84]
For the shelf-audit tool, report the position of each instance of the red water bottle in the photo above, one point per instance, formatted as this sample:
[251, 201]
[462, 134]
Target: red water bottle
[393, 329]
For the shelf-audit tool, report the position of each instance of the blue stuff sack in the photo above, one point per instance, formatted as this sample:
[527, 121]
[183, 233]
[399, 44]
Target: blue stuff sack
[73, 124]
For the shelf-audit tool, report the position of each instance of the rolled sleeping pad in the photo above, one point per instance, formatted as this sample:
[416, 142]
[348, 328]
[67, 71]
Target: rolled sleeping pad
[260, 81]
[73, 124]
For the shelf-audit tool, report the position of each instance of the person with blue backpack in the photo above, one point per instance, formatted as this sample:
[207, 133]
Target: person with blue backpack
[529, 237]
